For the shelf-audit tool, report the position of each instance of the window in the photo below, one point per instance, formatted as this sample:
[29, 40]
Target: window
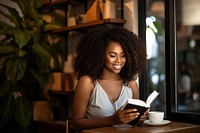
[183, 78]
[173, 62]
[154, 31]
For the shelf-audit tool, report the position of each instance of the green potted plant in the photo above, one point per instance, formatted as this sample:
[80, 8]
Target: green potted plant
[24, 60]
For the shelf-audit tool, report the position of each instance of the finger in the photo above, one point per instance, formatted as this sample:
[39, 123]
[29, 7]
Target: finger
[130, 110]
[147, 111]
[130, 116]
[144, 117]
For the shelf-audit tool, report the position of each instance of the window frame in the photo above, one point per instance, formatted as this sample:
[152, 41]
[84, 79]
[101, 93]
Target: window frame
[170, 61]
[171, 66]
[142, 35]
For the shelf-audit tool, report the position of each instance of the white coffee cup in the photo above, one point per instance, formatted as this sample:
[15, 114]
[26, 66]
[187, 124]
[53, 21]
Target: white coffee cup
[156, 116]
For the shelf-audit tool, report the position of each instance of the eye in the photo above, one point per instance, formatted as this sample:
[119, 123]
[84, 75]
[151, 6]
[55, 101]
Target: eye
[123, 55]
[112, 55]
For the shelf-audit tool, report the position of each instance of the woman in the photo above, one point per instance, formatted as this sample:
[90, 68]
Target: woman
[107, 64]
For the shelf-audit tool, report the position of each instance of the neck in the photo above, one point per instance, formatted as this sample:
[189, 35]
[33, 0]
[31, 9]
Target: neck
[116, 77]
[108, 75]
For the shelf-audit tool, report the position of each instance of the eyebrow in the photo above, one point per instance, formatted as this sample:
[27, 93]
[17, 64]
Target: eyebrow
[116, 53]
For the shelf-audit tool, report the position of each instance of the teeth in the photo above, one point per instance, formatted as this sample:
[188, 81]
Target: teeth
[117, 66]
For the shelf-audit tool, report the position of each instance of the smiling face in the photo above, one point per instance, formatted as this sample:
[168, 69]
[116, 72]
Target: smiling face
[115, 57]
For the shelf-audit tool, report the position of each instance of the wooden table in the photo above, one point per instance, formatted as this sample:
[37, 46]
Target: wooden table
[173, 127]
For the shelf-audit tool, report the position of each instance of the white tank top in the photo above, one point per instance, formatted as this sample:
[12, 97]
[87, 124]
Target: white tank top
[100, 105]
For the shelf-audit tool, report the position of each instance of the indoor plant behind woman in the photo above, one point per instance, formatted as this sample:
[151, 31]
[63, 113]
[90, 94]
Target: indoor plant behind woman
[24, 60]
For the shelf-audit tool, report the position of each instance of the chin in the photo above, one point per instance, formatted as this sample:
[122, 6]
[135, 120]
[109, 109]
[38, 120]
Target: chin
[117, 71]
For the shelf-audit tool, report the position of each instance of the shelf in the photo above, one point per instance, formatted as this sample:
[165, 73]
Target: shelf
[57, 4]
[88, 24]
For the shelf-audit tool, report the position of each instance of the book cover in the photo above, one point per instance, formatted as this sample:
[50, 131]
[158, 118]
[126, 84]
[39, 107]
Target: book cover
[140, 105]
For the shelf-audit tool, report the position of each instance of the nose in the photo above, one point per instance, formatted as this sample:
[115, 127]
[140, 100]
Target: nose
[118, 59]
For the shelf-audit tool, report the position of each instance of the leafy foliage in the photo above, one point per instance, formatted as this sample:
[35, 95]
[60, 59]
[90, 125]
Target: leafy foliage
[24, 59]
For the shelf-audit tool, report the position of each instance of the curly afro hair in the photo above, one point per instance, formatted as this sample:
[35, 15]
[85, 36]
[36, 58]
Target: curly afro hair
[90, 53]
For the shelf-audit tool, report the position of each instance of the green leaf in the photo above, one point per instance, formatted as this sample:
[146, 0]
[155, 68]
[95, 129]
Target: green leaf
[16, 68]
[2, 64]
[27, 35]
[22, 37]
[37, 3]
[53, 54]
[6, 49]
[41, 78]
[23, 111]
[28, 8]
[14, 17]
[6, 88]
[6, 109]
[42, 57]
[24, 5]
[159, 27]
[4, 25]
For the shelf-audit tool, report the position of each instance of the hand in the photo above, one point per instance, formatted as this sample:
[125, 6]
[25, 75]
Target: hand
[143, 118]
[125, 116]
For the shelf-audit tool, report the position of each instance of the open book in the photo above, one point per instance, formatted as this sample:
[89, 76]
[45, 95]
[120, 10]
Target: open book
[140, 105]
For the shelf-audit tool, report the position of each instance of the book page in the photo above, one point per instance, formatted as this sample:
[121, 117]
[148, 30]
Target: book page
[137, 102]
[151, 97]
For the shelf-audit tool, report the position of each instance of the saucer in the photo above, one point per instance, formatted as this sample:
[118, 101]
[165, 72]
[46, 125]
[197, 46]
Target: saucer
[164, 122]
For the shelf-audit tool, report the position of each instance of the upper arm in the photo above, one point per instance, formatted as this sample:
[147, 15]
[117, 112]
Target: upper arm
[82, 94]
[135, 89]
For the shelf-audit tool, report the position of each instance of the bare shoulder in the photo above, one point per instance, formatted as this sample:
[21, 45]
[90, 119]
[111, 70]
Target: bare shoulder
[134, 86]
[85, 82]
[81, 97]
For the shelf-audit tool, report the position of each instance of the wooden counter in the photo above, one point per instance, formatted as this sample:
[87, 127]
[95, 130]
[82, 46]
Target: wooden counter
[173, 127]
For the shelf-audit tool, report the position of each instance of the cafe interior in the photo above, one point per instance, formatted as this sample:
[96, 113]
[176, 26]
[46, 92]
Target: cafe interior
[170, 30]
